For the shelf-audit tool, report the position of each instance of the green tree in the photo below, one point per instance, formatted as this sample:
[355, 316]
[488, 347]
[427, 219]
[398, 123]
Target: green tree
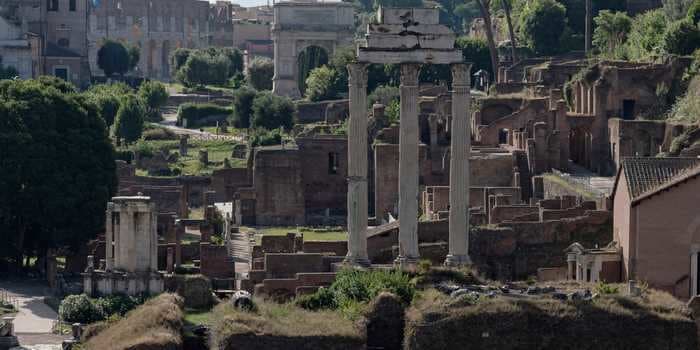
[154, 95]
[178, 58]
[476, 51]
[693, 14]
[57, 83]
[202, 69]
[235, 59]
[676, 9]
[646, 35]
[128, 124]
[681, 38]
[134, 56]
[243, 106]
[58, 169]
[611, 33]
[272, 112]
[322, 84]
[260, 73]
[542, 24]
[113, 58]
[342, 56]
[310, 58]
[107, 98]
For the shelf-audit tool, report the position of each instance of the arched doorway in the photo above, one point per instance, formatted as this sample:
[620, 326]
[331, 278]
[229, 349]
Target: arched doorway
[309, 58]
[165, 60]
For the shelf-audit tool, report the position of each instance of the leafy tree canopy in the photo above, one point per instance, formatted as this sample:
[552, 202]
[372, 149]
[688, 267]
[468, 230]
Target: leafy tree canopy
[58, 169]
[681, 38]
[611, 33]
[243, 106]
[114, 58]
[260, 73]
[646, 35]
[272, 112]
[128, 124]
[542, 24]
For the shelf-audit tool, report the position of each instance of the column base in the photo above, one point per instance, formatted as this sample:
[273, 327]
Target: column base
[457, 260]
[356, 262]
[407, 263]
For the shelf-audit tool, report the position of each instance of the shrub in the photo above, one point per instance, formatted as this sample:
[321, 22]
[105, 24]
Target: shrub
[646, 35]
[260, 73]
[681, 38]
[604, 288]
[201, 114]
[128, 124]
[158, 133]
[272, 112]
[113, 58]
[383, 94]
[154, 95]
[611, 32]
[694, 12]
[243, 107]
[477, 51]
[79, 308]
[118, 304]
[262, 137]
[353, 287]
[324, 298]
[321, 84]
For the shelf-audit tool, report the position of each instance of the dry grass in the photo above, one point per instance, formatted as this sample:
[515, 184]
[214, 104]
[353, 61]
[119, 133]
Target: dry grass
[279, 320]
[655, 320]
[155, 324]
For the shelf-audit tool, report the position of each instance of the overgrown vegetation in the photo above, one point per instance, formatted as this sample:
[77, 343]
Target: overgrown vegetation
[196, 68]
[352, 289]
[83, 309]
[195, 115]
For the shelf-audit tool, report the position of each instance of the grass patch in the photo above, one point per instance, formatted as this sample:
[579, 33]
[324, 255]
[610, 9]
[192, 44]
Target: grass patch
[189, 165]
[278, 320]
[197, 316]
[154, 325]
[588, 195]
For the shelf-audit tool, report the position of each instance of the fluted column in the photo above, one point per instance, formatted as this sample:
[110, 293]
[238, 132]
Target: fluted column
[357, 166]
[460, 146]
[109, 238]
[408, 168]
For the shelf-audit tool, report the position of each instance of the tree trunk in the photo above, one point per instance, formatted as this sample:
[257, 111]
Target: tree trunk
[486, 14]
[506, 8]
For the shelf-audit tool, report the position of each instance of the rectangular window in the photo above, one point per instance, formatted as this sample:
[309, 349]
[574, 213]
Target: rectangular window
[333, 162]
[52, 5]
[71, 5]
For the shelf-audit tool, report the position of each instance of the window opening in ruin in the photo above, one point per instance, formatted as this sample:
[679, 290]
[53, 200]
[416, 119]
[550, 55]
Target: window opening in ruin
[333, 162]
[52, 5]
[588, 275]
[503, 136]
[71, 5]
[61, 73]
[628, 109]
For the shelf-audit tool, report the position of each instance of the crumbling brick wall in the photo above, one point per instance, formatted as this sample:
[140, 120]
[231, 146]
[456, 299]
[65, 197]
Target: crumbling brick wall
[215, 262]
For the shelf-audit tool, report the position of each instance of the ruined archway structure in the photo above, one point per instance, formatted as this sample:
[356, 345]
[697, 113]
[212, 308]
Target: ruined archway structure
[298, 25]
[409, 37]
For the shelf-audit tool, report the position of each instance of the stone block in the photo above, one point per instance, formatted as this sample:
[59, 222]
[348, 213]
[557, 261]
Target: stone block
[399, 15]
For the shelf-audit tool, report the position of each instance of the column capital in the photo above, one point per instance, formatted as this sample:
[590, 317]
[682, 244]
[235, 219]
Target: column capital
[460, 74]
[357, 74]
[409, 74]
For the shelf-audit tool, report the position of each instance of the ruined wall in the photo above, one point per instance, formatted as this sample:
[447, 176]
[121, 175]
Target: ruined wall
[324, 171]
[225, 182]
[635, 138]
[215, 262]
[279, 196]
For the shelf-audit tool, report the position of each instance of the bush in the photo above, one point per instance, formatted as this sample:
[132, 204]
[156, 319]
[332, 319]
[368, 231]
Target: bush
[272, 112]
[694, 12]
[158, 133]
[128, 124]
[260, 73]
[243, 107]
[79, 308]
[118, 304]
[477, 51]
[202, 69]
[322, 84]
[383, 94]
[201, 114]
[154, 95]
[604, 288]
[113, 58]
[681, 38]
[352, 287]
[324, 298]
[262, 137]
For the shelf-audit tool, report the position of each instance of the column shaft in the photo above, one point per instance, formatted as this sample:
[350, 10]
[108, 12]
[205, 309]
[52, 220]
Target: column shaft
[460, 147]
[408, 167]
[109, 234]
[357, 166]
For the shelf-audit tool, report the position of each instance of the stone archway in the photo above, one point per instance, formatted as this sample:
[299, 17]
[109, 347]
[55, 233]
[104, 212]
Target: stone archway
[298, 25]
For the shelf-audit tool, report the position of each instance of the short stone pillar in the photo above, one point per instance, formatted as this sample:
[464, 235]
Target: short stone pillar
[183, 145]
[9, 324]
[76, 331]
[378, 110]
[633, 289]
[170, 259]
[90, 263]
[203, 157]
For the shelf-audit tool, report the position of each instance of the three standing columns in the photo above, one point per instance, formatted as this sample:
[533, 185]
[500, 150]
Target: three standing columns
[408, 167]
[357, 166]
[460, 147]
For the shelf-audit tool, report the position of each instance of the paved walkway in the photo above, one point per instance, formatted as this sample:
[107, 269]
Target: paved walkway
[34, 319]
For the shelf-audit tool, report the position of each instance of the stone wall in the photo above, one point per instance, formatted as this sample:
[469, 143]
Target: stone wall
[225, 182]
[323, 162]
[215, 262]
[331, 111]
[279, 193]
[339, 248]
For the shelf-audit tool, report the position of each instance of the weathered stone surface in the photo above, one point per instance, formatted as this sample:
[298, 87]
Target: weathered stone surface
[385, 322]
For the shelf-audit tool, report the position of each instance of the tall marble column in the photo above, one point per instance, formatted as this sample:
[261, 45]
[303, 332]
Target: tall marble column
[109, 238]
[357, 166]
[408, 167]
[460, 147]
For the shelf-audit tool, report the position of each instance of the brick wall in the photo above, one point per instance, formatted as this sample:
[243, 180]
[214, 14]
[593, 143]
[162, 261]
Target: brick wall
[215, 262]
[225, 182]
[284, 265]
[339, 248]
